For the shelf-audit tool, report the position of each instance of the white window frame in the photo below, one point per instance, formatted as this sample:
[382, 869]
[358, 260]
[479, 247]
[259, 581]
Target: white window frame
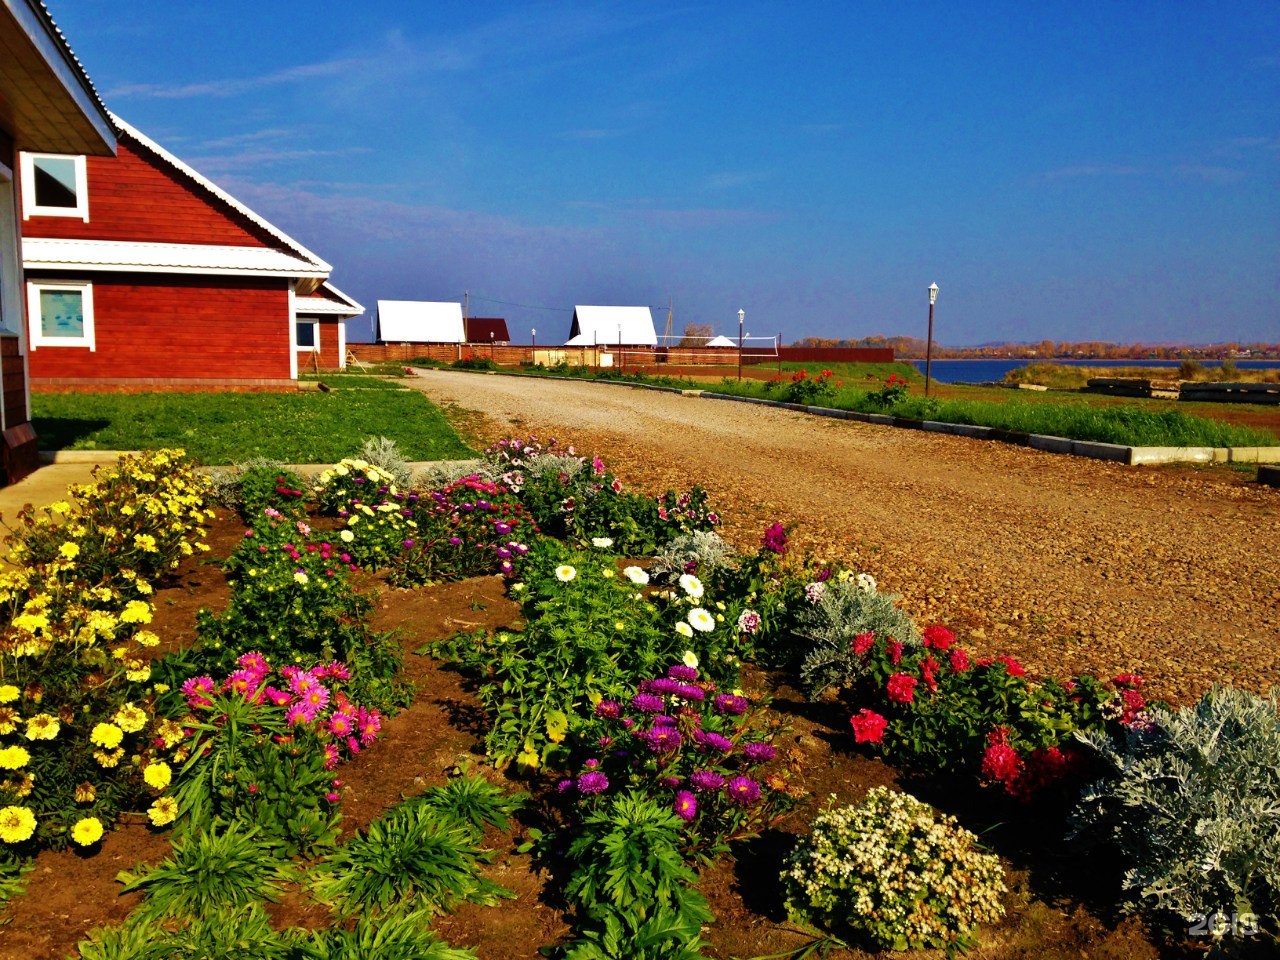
[29, 207]
[315, 335]
[38, 338]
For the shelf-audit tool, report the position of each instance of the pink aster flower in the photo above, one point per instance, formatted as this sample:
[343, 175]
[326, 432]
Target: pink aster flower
[685, 806]
[341, 724]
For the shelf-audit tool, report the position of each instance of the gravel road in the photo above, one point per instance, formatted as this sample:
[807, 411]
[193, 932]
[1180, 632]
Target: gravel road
[1070, 565]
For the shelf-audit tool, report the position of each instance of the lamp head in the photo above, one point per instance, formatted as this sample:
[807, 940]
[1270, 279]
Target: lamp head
[933, 294]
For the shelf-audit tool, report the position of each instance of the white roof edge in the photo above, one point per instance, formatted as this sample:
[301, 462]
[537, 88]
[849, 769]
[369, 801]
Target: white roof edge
[152, 268]
[342, 296]
[217, 191]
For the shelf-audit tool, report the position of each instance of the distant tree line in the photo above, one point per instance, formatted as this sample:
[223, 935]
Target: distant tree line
[914, 347]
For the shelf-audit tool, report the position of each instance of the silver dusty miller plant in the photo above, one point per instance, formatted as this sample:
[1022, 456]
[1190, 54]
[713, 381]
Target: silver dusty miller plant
[703, 552]
[383, 452]
[1193, 803]
[831, 616]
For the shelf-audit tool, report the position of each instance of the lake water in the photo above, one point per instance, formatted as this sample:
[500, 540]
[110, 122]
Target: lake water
[985, 371]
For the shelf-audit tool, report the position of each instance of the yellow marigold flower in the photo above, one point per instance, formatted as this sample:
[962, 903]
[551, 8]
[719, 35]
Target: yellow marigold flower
[16, 824]
[144, 588]
[139, 671]
[108, 758]
[87, 831]
[14, 758]
[70, 550]
[105, 594]
[136, 611]
[86, 793]
[160, 688]
[106, 735]
[170, 731]
[157, 775]
[31, 622]
[145, 638]
[102, 623]
[60, 507]
[145, 542]
[9, 693]
[8, 719]
[24, 786]
[163, 811]
[185, 549]
[130, 719]
[128, 573]
[43, 727]
[202, 547]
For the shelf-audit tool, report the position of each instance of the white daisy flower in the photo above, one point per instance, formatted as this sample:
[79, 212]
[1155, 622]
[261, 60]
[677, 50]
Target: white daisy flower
[602, 542]
[690, 659]
[691, 585]
[565, 573]
[701, 620]
[636, 575]
[684, 629]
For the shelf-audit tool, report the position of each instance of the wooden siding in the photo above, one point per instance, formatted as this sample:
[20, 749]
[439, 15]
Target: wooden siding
[136, 196]
[176, 328]
[13, 376]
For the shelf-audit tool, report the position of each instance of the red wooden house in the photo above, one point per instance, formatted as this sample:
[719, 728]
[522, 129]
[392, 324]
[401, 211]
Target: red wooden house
[46, 104]
[141, 274]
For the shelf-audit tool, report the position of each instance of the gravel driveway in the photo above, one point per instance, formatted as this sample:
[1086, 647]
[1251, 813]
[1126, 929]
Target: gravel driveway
[1071, 565]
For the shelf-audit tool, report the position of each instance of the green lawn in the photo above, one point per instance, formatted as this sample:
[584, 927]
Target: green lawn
[225, 428]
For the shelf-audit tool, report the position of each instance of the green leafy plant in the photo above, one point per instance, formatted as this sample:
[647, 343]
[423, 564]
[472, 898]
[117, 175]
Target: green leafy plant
[265, 485]
[1191, 800]
[406, 936]
[833, 613]
[631, 884]
[209, 872]
[804, 389]
[473, 802]
[890, 395]
[895, 872]
[411, 858]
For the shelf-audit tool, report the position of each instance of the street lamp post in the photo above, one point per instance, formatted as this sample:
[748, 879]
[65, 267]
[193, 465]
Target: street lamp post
[533, 335]
[928, 346]
[742, 315]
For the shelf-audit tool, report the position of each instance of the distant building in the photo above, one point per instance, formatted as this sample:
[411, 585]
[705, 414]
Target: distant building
[487, 330]
[419, 321]
[612, 326]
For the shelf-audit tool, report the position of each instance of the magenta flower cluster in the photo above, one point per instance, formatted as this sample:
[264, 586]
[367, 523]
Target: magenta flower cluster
[310, 698]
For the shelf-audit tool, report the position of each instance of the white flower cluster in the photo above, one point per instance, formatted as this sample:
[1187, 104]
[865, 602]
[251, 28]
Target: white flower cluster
[896, 870]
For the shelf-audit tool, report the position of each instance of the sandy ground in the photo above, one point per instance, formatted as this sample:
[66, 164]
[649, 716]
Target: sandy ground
[1072, 565]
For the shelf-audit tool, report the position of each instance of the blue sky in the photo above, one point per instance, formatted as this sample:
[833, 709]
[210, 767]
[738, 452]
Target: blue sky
[1070, 171]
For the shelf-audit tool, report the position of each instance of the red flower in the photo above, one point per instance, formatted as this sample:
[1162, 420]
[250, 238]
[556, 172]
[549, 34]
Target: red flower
[895, 652]
[959, 659]
[864, 642]
[928, 669]
[1128, 680]
[1013, 666]
[938, 637]
[1002, 763]
[868, 726]
[901, 688]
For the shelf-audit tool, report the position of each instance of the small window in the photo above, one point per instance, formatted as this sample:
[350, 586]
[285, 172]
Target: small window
[61, 314]
[307, 335]
[54, 186]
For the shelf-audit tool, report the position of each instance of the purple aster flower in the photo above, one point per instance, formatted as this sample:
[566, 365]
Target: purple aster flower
[564, 786]
[610, 709]
[688, 691]
[596, 782]
[647, 703]
[731, 703]
[706, 780]
[685, 806]
[775, 539]
[713, 741]
[662, 686]
[671, 781]
[663, 739]
[680, 672]
[759, 752]
[743, 790]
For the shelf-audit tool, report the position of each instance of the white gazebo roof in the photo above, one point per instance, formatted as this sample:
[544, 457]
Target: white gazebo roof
[420, 321]
[607, 326]
[721, 341]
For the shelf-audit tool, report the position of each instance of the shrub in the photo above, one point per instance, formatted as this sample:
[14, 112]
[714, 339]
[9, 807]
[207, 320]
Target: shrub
[267, 485]
[1192, 803]
[890, 395]
[701, 552]
[473, 361]
[804, 389]
[384, 453]
[896, 872]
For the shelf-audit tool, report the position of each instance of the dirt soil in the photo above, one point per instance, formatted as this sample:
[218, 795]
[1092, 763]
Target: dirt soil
[1068, 564]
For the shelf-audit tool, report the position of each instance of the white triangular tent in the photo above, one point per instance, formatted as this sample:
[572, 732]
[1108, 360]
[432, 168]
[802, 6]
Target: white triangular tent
[419, 321]
[721, 341]
[611, 326]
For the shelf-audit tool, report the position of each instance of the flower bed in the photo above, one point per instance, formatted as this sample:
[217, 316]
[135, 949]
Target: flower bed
[618, 702]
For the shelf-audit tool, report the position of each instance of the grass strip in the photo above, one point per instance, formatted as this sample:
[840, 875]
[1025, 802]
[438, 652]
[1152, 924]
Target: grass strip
[225, 428]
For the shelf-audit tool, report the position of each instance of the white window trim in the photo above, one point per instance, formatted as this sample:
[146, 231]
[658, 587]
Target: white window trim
[38, 339]
[315, 335]
[29, 207]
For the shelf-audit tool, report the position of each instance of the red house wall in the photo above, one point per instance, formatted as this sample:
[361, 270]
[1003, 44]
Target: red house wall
[135, 196]
[166, 329]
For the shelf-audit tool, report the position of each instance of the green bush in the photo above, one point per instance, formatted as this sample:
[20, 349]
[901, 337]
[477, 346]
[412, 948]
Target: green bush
[895, 872]
[1192, 803]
